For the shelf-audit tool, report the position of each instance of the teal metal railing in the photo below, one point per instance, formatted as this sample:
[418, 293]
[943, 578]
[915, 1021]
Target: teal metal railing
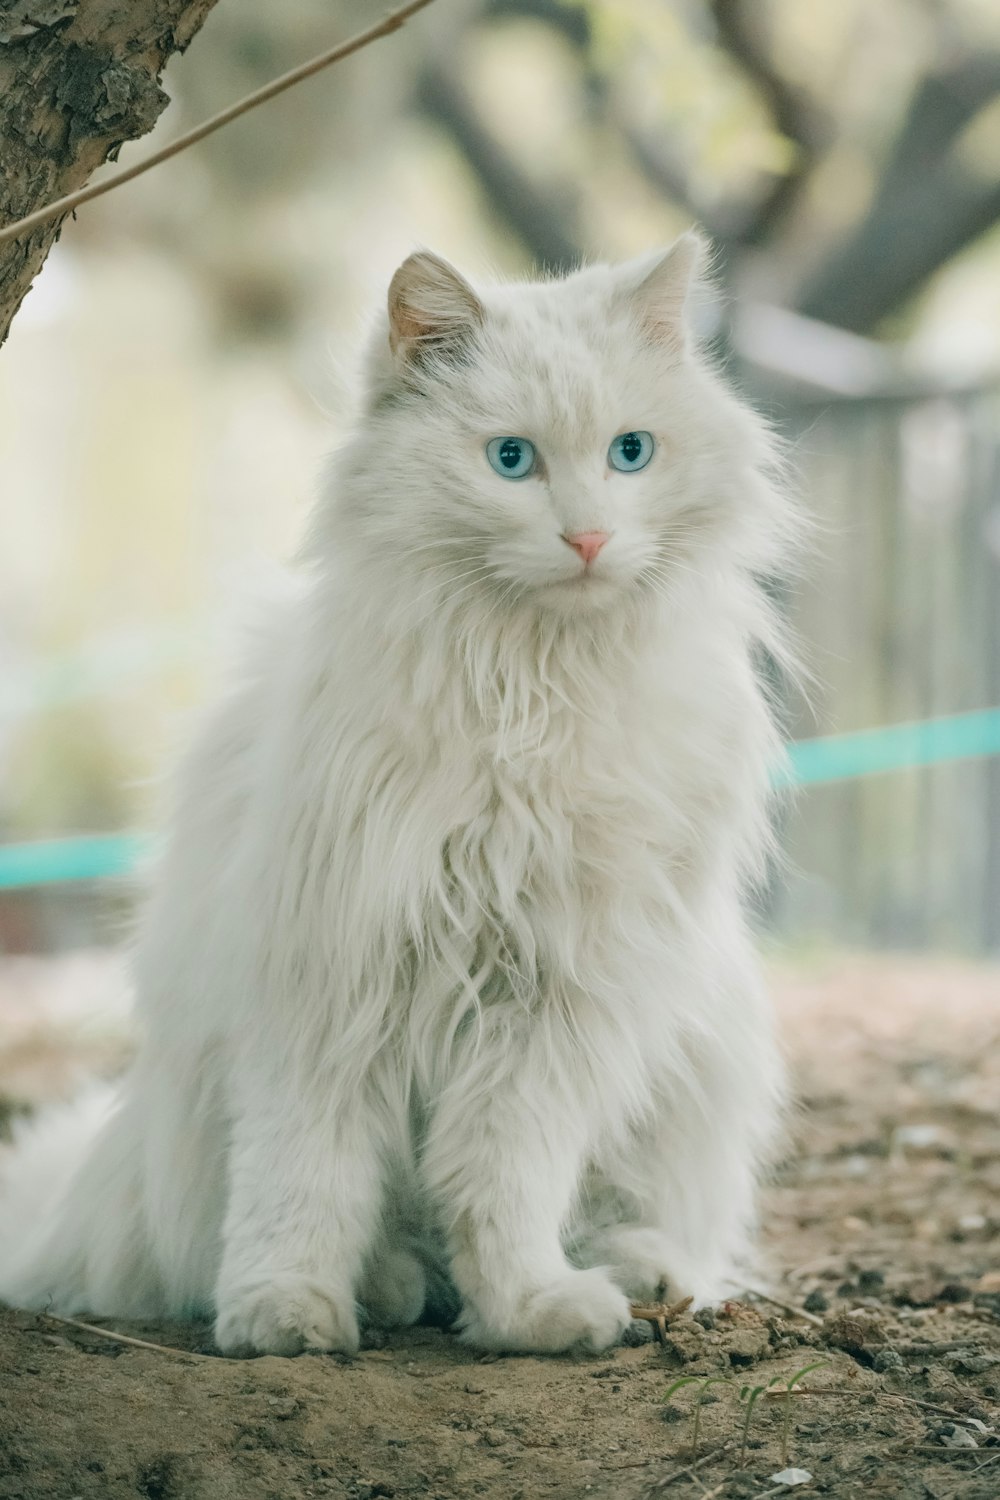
[828, 758]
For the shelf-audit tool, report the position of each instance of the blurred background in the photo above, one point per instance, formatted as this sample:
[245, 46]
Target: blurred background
[183, 364]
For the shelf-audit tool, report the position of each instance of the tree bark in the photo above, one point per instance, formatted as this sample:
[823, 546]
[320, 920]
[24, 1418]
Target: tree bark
[78, 78]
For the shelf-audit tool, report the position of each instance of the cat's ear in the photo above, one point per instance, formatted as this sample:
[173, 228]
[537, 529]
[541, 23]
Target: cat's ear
[659, 286]
[431, 307]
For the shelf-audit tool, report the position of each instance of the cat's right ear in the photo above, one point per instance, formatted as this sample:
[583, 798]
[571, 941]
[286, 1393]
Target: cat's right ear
[432, 309]
[661, 286]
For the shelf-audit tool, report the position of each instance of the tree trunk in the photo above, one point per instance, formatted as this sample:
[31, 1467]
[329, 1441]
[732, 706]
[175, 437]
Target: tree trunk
[77, 79]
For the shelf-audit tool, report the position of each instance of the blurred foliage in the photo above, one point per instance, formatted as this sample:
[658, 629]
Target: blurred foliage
[171, 385]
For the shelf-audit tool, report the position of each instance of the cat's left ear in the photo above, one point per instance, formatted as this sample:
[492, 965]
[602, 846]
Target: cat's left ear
[659, 286]
[431, 307]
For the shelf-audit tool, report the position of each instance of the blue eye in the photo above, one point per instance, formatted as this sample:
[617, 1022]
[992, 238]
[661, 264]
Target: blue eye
[511, 456]
[631, 451]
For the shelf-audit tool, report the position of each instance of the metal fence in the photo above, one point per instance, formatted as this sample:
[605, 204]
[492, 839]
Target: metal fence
[900, 615]
[893, 839]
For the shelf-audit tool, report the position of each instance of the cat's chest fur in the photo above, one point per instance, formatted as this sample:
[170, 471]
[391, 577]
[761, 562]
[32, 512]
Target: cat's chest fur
[523, 837]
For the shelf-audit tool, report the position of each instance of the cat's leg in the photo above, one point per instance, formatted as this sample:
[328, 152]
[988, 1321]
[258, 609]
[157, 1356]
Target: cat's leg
[394, 1284]
[305, 1191]
[677, 1210]
[503, 1160]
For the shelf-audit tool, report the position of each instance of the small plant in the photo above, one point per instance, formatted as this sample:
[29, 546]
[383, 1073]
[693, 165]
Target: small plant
[702, 1382]
[749, 1395]
[790, 1384]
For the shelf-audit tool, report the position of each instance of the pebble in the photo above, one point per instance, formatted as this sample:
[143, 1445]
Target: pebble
[283, 1407]
[887, 1359]
[971, 1364]
[639, 1331]
[955, 1437]
[816, 1302]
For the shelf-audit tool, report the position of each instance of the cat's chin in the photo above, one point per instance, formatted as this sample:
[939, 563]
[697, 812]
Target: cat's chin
[581, 593]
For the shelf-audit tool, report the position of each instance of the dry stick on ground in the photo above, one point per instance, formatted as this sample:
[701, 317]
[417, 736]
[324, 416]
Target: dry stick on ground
[124, 1338]
[788, 1307]
[71, 201]
[660, 1314]
[835, 1390]
[688, 1471]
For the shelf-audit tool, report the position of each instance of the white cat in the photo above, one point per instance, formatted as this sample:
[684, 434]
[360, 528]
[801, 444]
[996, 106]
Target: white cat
[446, 976]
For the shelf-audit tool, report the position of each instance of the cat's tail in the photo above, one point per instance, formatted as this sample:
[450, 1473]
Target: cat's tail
[113, 1205]
[71, 1237]
[36, 1169]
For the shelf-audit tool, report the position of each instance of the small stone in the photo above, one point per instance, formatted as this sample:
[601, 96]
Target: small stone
[887, 1359]
[816, 1302]
[971, 1364]
[870, 1283]
[920, 1137]
[638, 1332]
[283, 1407]
[853, 1332]
[685, 1338]
[792, 1477]
[706, 1317]
[955, 1437]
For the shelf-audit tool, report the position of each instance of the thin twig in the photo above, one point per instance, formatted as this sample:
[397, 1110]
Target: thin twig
[834, 1390]
[942, 1450]
[660, 1314]
[124, 1338]
[788, 1307]
[940, 1346]
[689, 1469]
[65, 205]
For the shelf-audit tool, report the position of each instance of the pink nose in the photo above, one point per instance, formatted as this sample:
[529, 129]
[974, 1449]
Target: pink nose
[587, 543]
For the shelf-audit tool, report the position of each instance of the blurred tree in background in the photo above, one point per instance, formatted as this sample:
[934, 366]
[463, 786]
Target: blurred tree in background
[185, 340]
[838, 153]
[76, 82]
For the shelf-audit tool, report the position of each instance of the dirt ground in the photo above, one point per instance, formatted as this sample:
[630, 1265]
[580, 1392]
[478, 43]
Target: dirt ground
[883, 1229]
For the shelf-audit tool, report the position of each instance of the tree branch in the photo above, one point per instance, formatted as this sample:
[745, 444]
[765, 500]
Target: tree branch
[926, 207]
[77, 80]
[739, 29]
[540, 223]
[53, 212]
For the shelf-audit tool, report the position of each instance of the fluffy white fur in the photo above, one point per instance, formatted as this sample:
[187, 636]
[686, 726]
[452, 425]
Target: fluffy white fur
[446, 977]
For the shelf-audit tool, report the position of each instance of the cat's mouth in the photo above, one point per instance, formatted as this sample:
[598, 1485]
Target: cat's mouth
[589, 587]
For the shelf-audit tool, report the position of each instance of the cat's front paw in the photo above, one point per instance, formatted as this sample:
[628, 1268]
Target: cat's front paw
[284, 1315]
[582, 1309]
[649, 1268]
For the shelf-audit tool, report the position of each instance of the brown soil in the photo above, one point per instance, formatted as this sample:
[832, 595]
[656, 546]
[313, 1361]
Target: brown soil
[885, 1221]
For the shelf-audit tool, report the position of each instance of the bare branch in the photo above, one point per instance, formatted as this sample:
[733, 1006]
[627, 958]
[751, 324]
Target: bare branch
[926, 208]
[739, 29]
[540, 221]
[76, 81]
[72, 201]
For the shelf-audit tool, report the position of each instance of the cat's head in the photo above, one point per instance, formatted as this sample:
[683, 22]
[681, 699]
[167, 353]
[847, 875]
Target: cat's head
[556, 445]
